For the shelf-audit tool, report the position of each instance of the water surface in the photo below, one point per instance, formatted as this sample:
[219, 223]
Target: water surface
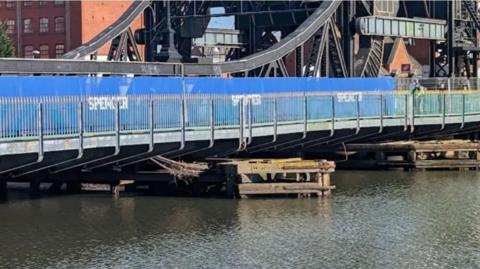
[374, 220]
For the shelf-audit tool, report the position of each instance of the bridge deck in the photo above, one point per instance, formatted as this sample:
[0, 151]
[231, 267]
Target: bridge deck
[42, 126]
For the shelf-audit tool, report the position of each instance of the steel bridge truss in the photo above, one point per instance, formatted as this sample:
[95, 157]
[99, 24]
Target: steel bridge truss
[318, 37]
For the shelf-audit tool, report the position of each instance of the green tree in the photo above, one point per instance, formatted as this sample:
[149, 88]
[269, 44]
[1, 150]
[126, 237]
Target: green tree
[6, 49]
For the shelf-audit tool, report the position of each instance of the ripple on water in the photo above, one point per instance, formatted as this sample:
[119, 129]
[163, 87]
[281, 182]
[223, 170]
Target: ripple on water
[374, 220]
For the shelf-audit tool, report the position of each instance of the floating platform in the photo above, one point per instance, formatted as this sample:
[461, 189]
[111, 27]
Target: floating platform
[279, 177]
[115, 189]
[410, 155]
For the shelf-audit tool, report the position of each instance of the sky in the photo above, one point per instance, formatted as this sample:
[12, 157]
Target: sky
[221, 22]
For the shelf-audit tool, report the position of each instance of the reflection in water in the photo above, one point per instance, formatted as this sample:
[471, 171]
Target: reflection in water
[374, 220]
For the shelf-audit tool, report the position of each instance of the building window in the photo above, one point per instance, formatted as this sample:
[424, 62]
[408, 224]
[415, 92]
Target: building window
[59, 2]
[28, 51]
[27, 3]
[10, 4]
[44, 51]
[43, 25]
[59, 50]
[27, 26]
[10, 26]
[405, 68]
[59, 24]
[42, 3]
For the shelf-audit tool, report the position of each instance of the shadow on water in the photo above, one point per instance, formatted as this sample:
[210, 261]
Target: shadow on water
[374, 220]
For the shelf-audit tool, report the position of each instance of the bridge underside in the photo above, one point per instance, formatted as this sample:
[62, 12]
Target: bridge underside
[62, 165]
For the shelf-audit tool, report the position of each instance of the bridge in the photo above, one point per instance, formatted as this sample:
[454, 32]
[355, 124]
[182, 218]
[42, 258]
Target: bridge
[74, 131]
[58, 135]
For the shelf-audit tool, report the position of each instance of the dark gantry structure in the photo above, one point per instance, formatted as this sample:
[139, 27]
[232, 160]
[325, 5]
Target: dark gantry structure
[278, 38]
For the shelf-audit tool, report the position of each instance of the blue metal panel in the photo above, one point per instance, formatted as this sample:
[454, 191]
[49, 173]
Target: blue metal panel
[20, 86]
[284, 85]
[100, 94]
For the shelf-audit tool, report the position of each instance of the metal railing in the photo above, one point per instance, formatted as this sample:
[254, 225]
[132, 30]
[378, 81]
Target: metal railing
[50, 117]
[439, 84]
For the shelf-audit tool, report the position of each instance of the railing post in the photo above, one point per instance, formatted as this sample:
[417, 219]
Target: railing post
[81, 128]
[241, 125]
[3, 129]
[405, 127]
[412, 120]
[444, 110]
[357, 98]
[463, 111]
[40, 131]
[250, 121]
[182, 122]
[332, 130]
[381, 112]
[151, 123]
[212, 121]
[117, 126]
[275, 120]
[305, 115]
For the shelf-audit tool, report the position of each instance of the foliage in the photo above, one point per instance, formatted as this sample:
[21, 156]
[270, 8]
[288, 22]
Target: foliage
[6, 48]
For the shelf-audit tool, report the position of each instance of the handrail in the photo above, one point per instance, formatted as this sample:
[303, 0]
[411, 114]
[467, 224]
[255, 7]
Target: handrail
[37, 120]
[300, 106]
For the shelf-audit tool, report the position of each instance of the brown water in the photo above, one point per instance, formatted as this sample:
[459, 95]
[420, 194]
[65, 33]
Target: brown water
[374, 220]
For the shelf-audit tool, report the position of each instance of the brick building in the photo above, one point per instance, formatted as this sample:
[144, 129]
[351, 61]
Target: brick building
[55, 27]
[398, 61]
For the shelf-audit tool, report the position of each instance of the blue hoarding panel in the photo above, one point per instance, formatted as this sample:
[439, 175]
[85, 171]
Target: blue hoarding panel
[21, 86]
[62, 118]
